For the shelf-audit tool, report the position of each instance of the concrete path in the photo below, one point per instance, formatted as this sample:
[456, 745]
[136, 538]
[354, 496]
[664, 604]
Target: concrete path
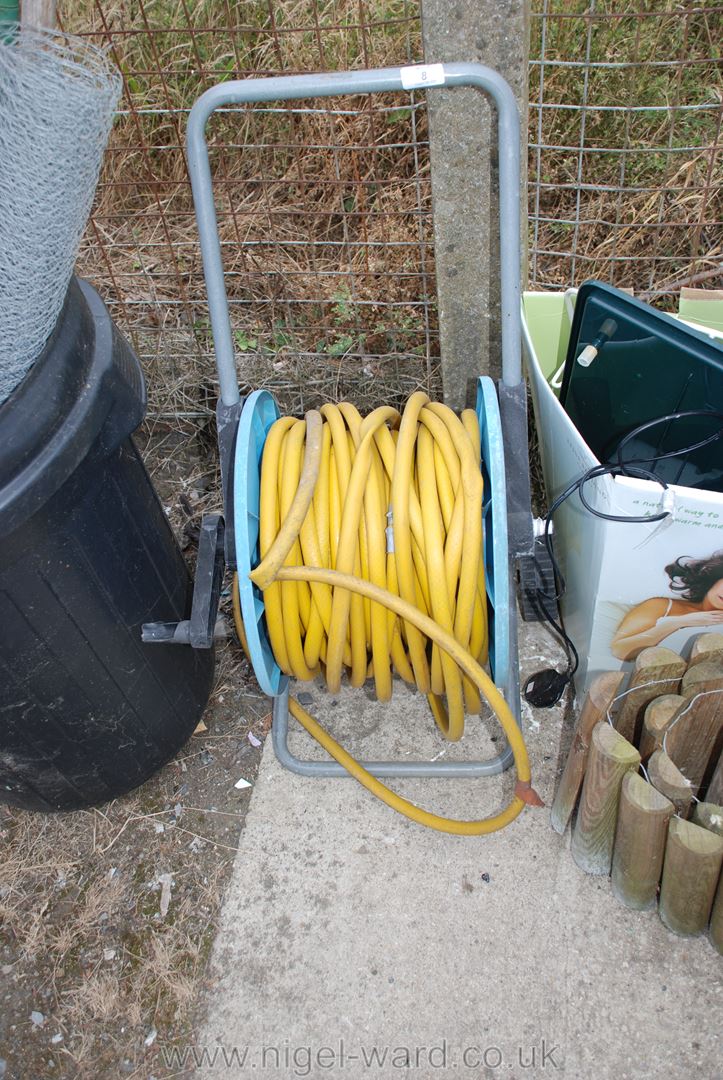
[356, 944]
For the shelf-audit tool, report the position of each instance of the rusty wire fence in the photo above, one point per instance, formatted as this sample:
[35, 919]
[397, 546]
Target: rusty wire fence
[325, 207]
[625, 142]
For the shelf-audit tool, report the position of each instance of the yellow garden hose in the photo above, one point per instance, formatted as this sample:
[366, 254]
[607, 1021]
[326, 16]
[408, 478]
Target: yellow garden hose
[371, 541]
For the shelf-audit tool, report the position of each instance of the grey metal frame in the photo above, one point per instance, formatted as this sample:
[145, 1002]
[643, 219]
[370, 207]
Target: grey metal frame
[291, 87]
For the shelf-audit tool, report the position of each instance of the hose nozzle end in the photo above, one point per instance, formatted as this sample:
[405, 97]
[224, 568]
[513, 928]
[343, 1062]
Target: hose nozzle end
[525, 791]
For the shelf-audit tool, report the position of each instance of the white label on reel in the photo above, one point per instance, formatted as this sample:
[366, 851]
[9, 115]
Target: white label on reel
[421, 75]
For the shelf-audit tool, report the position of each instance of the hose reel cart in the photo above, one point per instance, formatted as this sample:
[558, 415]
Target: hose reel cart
[505, 536]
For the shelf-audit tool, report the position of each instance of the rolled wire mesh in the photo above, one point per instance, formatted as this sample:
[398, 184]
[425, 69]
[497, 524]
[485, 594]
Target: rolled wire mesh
[57, 98]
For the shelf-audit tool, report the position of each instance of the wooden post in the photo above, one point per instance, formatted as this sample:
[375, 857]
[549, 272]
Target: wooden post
[694, 738]
[701, 677]
[693, 858]
[714, 792]
[657, 671]
[670, 782]
[709, 816]
[611, 757]
[643, 817]
[656, 718]
[708, 646]
[716, 919]
[594, 708]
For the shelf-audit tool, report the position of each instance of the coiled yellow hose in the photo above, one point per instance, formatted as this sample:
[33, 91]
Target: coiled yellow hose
[371, 540]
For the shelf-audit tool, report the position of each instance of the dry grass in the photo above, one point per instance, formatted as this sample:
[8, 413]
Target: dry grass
[84, 937]
[82, 924]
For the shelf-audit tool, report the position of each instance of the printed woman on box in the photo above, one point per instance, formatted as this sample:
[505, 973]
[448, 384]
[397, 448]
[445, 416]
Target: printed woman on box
[699, 606]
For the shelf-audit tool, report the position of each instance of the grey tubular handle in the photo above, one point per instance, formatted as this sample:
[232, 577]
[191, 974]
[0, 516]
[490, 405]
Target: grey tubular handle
[290, 87]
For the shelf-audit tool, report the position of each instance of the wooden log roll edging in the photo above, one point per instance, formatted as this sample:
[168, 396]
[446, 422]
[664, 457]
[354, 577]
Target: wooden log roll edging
[716, 918]
[709, 816]
[693, 739]
[669, 781]
[657, 671]
[642, 829]
[714, 791]
[597, 701]
[611, 757]
[656, 720]
[707, 646]
[634, 828]
[702, 677]
[691, 869]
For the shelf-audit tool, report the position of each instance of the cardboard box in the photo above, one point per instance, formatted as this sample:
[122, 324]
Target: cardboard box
[615, 571]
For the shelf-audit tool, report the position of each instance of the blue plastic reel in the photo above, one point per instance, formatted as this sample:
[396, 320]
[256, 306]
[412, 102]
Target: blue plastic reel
[494, 522]
[258, 414]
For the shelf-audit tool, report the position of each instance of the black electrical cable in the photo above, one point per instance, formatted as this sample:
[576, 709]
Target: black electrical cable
[545, 688]
[616, 470]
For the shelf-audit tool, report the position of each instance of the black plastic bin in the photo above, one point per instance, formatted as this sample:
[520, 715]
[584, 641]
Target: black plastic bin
[87, 711]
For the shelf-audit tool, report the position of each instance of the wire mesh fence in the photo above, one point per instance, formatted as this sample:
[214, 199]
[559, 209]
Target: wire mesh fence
[325, 207]
[626, 107]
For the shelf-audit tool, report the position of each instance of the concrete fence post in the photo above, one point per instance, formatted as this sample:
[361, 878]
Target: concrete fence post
[463, 142]
[38, 13]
